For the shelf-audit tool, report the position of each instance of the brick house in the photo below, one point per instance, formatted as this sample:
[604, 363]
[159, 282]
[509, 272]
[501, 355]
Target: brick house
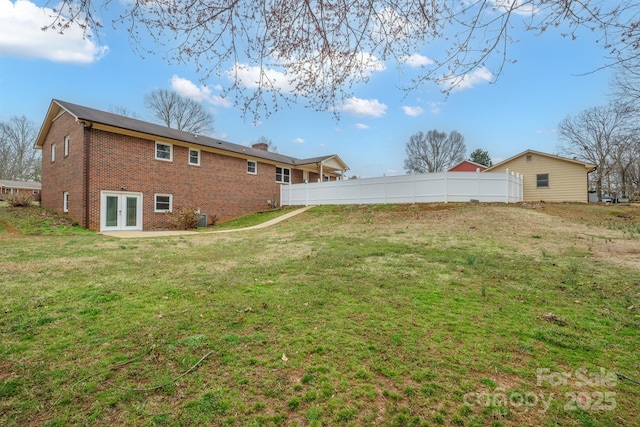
[14, 187]
[110, 172]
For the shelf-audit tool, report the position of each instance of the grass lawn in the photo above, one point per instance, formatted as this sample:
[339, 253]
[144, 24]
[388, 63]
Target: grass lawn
[454, 315]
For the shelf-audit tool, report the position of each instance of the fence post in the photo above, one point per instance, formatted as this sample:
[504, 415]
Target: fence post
[507, 176]
[478, 184]
[446, 188]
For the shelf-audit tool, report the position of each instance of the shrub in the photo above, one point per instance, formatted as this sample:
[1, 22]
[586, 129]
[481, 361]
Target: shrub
[184, 218]
[19, 199]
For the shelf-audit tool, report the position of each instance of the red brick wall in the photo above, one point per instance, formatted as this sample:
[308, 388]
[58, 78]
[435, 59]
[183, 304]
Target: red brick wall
[220, 186]
[65, 173]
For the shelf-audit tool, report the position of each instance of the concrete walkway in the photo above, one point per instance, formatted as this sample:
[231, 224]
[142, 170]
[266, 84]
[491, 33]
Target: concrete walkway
[164, 233]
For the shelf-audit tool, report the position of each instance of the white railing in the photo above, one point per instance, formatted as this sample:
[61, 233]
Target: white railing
[503, 187]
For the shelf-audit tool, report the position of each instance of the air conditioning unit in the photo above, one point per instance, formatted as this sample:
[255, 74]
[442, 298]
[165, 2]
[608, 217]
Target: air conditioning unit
[202, 221]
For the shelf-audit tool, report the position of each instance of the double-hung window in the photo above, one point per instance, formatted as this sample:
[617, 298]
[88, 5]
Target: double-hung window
[163, 202]
[542, 180]
[252, 167]
[283, 175]
[164, 151]
[194, 157]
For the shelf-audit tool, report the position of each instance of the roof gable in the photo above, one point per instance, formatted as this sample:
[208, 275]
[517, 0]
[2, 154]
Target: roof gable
[588, 166]
[470, 163]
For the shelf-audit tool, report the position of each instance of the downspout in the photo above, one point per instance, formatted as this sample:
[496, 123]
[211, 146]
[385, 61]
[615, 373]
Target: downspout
[87, 164]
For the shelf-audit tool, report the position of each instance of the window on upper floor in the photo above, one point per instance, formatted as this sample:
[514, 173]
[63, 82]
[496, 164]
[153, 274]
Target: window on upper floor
[164, 151]
[194, 157]
[283, 175]
[53, 152]
[252, 167]
[163, 203]
[66, 145]
[542, 180]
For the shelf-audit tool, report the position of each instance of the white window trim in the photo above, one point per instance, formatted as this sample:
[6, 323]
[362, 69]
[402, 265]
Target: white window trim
[66, 145]
[255, 167]
[65, 201]
[283, 175]
[53, 152]
[199, 154]
[170, 159]
[155, 202]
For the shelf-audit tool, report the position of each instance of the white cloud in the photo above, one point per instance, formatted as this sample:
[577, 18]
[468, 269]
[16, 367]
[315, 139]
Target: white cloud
[292, 70]
[298, 141]
[361, 126]
[417, 60]
[434, 107]
[251, 78]
[364, 107]
[188, 89]
[456, 84]
[370, 63]
[519, 7]
[22, 36]
[412, 111]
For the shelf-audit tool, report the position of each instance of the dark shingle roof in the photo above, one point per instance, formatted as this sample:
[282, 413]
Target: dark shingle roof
[127, 123]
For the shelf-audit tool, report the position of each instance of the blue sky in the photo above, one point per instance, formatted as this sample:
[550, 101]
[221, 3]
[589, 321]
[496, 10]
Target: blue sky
[518, 111]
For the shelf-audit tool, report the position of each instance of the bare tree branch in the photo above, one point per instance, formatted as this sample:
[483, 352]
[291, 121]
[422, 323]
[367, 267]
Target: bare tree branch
[280, 51]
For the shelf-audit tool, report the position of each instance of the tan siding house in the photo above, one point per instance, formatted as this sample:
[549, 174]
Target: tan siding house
[549, 178]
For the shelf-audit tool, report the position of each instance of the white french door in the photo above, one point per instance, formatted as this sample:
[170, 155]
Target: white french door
[120, 211]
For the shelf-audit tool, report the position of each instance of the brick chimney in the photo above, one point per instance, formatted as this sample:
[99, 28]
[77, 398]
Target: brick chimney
[261, 146]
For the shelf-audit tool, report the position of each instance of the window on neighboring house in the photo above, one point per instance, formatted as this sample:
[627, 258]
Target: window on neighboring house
[252, 167]
[283, 175]
[65, 201]
[194, 157]
[542, 180]
[164, 151]
[66, 145]
[163, 202]
[53, 152]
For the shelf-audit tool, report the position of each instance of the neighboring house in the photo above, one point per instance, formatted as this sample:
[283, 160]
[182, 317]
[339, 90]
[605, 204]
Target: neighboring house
[549, 178]
[467, 166]
[111, 172]
[12, 187]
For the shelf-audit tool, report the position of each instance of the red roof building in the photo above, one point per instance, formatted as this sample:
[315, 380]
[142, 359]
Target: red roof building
[467, 166]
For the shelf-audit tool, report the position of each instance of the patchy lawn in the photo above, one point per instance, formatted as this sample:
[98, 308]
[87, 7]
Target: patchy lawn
[456, 315]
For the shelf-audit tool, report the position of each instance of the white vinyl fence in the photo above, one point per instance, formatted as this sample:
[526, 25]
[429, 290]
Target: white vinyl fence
[503, 187]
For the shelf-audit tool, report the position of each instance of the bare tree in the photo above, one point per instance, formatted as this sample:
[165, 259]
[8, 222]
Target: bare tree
[595, 136]
[434, 151]
[19, 161]
[624, 164]
[317, 49]
[178, 112]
